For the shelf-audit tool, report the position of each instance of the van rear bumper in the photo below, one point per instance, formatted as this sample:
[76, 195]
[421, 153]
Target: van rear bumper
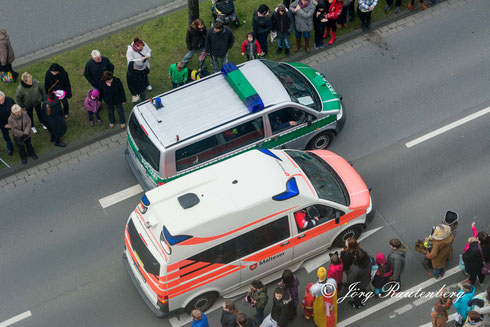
[136, 172]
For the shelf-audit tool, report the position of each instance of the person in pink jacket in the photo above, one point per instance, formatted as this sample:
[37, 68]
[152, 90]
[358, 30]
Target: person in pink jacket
[336, 269]
[92, 104]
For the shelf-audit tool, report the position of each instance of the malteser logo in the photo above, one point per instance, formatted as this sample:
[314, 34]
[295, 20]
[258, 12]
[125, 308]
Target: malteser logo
[252, 267]
[269, 259]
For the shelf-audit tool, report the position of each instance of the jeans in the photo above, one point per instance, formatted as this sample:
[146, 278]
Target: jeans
[216, 65]
[260, 315]
[39, 114]
[120, 113]
[22, 145]
[6, 137]
[283, 43]
[306, 35]
[91, 115]
[190, 54]
[262, 38]
[438, 272]
[365, 18]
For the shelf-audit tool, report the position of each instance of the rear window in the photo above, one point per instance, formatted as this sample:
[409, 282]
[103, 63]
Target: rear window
[145, 146]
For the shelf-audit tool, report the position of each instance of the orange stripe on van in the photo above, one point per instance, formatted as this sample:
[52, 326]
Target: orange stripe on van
[172, 267]
[193, 267]
[291, 160]
[200, 240]
[201, 271]
[201, 278]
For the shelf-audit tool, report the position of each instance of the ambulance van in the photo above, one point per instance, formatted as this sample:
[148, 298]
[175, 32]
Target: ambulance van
[215, 230]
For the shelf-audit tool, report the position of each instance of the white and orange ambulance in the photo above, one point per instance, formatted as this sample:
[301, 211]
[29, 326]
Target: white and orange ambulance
[215, 230]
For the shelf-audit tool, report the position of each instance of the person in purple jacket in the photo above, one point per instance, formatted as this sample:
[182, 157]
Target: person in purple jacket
[92, 104]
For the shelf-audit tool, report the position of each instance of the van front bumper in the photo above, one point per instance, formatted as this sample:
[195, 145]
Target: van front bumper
[136, 172]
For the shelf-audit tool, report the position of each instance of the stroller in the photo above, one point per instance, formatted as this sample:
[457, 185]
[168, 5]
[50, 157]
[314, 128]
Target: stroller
[224, 12]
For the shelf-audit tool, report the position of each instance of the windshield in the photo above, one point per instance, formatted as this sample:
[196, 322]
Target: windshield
[145, 146]
[327, 183]
[298, 87]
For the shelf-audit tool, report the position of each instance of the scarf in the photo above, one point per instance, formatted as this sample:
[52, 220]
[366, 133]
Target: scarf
[304, 5]
[135, 48]
[25, 85]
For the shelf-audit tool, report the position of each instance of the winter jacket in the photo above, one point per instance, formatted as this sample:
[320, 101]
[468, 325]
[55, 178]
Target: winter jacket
[251, 322]
[54, 120]
[441, 246]
[28, 96]
[439, 313]
[396, 259]
[252, 49]
[94, 70]
[293, 291]
[461, 304]
[365, 4]
[280, 310]
[20, 126]
[228, 319]
[380, 280]
[176, 75]
[60, 81]
[260, 298]
[135, 56]
[473, 262]
[334, 9]
[303, 18]
[218, 43]
[6, 110]
[336, 272]
[347, 259]
[261, 25]
[485, 312]
[282, 24]
[92, 105]
[317, 20]
[201, 323]
[7, 55]
[113, 94]
[195, 39]
[359, 274]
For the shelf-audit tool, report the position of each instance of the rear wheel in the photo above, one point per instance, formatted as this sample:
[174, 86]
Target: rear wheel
[354, 231]
[203, 302]
[321, 141]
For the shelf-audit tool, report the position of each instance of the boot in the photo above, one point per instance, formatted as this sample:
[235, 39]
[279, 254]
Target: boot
[307, 44]
[279, 50]
[298, 44]
[286, 51]
[327, 33]
[334, 37]
[410, 6]
[423, 6]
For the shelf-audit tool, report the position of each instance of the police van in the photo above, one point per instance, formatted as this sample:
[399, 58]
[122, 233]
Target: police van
[261, 103]
[215, 230]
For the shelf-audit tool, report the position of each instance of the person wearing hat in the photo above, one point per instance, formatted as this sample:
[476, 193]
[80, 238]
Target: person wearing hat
[92, 104]
[325, 304]
[262, 25]
[219, 40]
[53, 115]
[20, 124]
[282, 24]
[442, 240]
[57, 79]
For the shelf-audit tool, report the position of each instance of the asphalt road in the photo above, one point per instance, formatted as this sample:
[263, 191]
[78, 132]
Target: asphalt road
[60, 252]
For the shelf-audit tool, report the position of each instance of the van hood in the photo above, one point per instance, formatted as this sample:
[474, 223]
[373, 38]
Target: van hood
[358, 191]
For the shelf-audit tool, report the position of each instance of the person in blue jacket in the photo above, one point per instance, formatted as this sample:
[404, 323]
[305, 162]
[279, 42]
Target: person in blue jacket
[463, 297]
[199, 319]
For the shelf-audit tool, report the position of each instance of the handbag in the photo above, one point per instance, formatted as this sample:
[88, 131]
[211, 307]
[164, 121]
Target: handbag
[486, 265]
[7, 77]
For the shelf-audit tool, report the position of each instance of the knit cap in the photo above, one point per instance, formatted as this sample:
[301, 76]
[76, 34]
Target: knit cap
[321, 273]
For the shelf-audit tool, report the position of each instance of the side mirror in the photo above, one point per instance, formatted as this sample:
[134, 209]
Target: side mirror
[309, 120]
[337, 217]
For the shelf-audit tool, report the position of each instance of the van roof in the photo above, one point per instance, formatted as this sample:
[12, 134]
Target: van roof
[207, 103]
[231, 194]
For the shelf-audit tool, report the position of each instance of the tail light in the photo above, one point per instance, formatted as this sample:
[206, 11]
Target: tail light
[163, 299]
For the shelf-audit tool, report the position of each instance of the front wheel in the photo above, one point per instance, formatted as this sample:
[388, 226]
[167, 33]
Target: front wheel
[321, 141]
[354, 231]
[203, 302]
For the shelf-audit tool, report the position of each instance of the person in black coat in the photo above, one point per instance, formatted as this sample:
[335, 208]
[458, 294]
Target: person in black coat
[360, 273]
[282, 24]
[137, 81]
[6, 104]
[219, 40]
[262, 25]
[95, 68]
[195, 40]
[57, 79]
[53, 116]
[473, 260]
[228, 315]
[243, 321]
[112, 92]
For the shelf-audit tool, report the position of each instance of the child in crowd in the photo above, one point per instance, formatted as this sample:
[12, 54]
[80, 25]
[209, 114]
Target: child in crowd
[199, 319]
[251, 47]
[178, 74]
[257, 297]
[382, 275]
[92, 104]
[307, 303]
[335, 270]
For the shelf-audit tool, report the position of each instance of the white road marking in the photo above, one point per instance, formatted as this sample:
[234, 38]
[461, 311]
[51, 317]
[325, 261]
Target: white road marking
[392, 300]
[447, 127]
[15, 319]
[120, 196]
[429, 324]
[186, 319]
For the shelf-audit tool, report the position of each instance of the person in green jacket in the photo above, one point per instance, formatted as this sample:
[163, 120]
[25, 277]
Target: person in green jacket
[29, 95]
[257, 297]
[178, 74]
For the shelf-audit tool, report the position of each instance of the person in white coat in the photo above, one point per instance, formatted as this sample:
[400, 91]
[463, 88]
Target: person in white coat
[138, 55]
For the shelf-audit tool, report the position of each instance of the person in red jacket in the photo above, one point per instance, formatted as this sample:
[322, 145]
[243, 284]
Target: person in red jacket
[251, 47]
[333, 12]
[304, 220]
[307, 303]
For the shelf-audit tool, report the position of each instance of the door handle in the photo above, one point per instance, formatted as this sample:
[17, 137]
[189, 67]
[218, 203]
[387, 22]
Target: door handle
[285, 243]
[300, 237]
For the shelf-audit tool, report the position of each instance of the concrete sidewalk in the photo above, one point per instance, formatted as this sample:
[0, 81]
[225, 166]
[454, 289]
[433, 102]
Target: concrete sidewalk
[88, 148]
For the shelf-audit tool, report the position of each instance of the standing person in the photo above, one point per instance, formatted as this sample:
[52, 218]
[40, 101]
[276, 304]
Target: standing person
[178, 74]
[57, 79]
[465, 294]
[6, 104]
[398, 3]
[439, 313]
[396, 258]
[382, 275]
[334, 8]
[199, 319]
[441, 249]
[475, 235]
[325, 304]
[347, 253]
[364, 10]
[20, 124]
[228, 315]
[53, 116]
[251, 47]
[307, 303]
[303, 11]
[282, 24]
[7, 55]
[95, 68]
[257, 297]
[360, 272]
[262, 25]
[485, 310]
[279, 314]
[112, 92]
[290, 283]
[412, 2]
[336, 269]
[219, 40]
[29, 95]
[138, 55]
[243, 321]
[196, 40]
[342, 20]
[319, 23]
[92, 104]
[474, 258]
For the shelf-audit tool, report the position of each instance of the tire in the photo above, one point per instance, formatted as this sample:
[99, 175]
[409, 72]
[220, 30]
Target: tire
[354, 231]
[203, 302]
[321, 141]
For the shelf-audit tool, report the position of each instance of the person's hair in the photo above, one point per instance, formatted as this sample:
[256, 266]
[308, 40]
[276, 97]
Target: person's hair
[257, 284]
[466, 286]
[241, 319]
[472, 239]
[108, 75]
[15, 108]
[288, 278]
[335, 259]
[483, 238]
[2, 94]
[352, 245]
[280, 7]
[25, 76]
[474, 316]
[196, 314]
[230, 306]
[361, 258]
[95, 54]
[137, 42]
[218, 25]
[396, 243]
[263, 9]
[180, 65]
[196, 23]
[279, 290]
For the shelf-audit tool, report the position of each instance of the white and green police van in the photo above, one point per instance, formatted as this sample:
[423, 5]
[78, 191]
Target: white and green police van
[259, 104]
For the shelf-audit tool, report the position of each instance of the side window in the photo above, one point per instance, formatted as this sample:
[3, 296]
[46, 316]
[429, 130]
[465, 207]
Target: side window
[286, 118]
[223, 253]
[242, 135]
[314, 215]
[196, 153]
[263, 236]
